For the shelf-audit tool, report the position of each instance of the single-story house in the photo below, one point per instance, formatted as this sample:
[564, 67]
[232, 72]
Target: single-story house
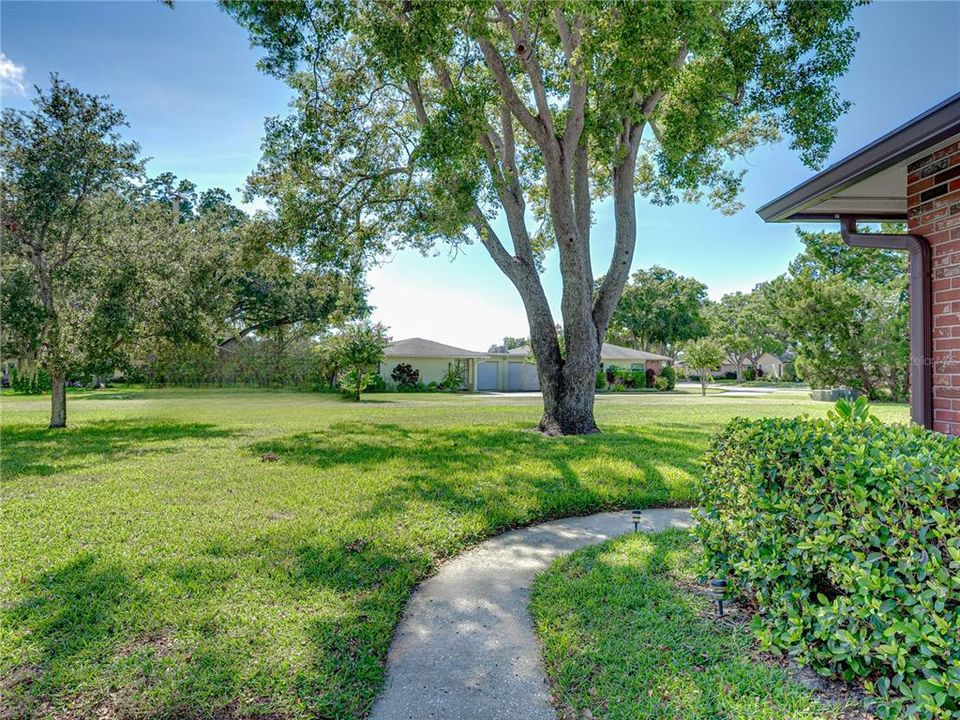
[771, 365]
[909, 175]
[516, 371]
[432, 359]
[511, 371]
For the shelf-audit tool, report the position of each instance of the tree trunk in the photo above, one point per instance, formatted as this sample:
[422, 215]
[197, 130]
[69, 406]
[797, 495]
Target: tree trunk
[58, 401]
[568, 399]
[703, 381]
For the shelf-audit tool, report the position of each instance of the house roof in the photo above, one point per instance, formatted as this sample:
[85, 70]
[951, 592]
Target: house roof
[616, 352]
[420, 347]
[607, 352]
[871, 183]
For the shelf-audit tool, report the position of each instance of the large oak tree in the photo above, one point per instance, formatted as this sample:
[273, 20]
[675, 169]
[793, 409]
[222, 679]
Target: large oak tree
[420, 122]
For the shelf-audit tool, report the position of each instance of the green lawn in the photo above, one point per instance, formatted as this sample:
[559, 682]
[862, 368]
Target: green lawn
[155, 565]
[626, 638]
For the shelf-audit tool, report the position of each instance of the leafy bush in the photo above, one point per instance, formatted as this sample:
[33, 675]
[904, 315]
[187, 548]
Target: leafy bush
[375, 383]
[619, 387]
[601, 380]
[749, 374]
[847, 533]
[613, 373]
[405, 376]
[661, 383]
[789, 372]
[351, 383]
[671, 376]
[454, 378]
[681, 373]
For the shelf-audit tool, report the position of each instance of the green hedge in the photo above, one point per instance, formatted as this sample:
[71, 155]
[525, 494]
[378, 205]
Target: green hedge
[847, 534]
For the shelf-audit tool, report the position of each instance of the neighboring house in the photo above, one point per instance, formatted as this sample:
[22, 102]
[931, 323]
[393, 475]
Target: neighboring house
[910, 175]
[771, 365]
[516, 370]
[432, 359]
[510, 371]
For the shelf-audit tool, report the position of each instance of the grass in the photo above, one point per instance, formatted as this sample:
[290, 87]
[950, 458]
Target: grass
[214, 553]
[623, 639]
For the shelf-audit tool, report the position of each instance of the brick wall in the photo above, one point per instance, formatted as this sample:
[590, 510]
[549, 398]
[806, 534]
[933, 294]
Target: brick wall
[933, 200]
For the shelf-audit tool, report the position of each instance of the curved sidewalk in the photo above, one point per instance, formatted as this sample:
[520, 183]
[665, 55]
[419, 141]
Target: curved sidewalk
[465, 648]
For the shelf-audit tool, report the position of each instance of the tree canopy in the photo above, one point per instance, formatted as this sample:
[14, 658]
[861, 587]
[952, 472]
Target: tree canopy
[846, 311]
[659, 308]
[419, 122]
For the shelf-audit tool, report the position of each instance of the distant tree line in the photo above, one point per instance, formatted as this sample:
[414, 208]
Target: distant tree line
[843, 312]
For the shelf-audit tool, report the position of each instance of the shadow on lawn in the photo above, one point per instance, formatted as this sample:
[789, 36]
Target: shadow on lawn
[87, 623]
[31, 450]
[477, 468]
[68, 613]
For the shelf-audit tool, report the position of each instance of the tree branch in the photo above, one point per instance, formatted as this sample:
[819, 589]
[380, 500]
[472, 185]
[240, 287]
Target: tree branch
[494, 62]
[524, 47]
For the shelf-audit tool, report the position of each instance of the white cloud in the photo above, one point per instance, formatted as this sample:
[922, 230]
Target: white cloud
[11, 76]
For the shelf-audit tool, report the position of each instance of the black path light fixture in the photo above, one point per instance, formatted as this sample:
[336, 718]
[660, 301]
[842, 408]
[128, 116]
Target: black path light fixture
[718, 589]
[636, 516]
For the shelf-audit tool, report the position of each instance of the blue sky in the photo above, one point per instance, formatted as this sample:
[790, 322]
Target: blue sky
[187, 81]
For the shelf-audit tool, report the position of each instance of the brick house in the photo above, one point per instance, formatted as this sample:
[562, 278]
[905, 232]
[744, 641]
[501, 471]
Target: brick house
[910, 175]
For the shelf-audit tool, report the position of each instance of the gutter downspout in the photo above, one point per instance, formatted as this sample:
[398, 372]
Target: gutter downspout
[921, 326]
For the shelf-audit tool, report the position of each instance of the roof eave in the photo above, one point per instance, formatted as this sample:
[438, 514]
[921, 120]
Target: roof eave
[913, 137]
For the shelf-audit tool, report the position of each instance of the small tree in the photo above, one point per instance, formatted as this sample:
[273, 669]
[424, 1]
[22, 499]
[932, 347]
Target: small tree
[704, 355]
[358, 347]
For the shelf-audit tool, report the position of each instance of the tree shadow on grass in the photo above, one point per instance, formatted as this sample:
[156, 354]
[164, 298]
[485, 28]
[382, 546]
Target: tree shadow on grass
[92, 644]
[485, 468]
[69, 614]
[28, 450]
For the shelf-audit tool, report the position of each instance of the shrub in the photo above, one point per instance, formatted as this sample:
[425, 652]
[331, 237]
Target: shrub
[661, 383]
[681, 373]
[749, 374]
[671, 376]
[612, 374]
[601, 380]
[454, 378]
[352, 383]
[405, 376]
[789, 373]
[846, 532]
[375, 383]
[649, 376]
[619, 387]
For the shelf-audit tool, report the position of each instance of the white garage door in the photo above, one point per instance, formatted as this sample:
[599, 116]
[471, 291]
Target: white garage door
[522, 377]
[487, 376]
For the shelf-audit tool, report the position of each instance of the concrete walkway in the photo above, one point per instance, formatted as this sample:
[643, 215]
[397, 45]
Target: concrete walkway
[465, 648]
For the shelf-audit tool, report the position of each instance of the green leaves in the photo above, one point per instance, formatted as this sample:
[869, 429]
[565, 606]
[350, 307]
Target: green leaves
[847, 533]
